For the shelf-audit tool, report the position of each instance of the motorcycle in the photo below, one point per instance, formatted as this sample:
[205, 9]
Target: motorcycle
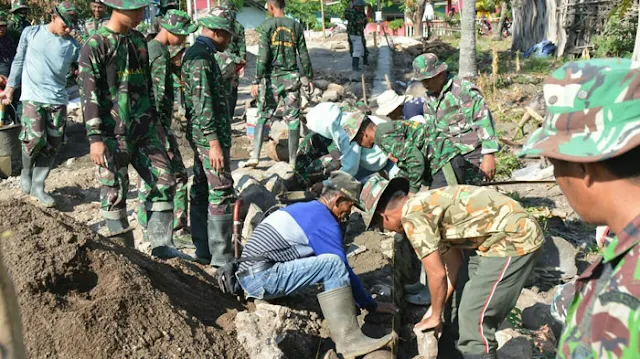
[506, 28]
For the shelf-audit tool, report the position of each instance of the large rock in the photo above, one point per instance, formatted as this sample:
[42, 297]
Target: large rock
[538, 316]
[513, 345]
[331, 96]
[416, 89]
[321, 84]
[558, 255]
[284, 171]
[251, 221]
[260, 332]
[339, 89]
[252, 192]
[275, 185]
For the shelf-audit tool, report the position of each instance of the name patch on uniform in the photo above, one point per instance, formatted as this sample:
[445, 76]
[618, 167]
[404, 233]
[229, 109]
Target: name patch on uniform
[620, 298]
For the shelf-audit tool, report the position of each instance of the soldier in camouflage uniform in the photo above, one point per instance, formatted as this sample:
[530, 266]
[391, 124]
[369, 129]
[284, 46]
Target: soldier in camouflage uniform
[591, 134]
[45, 55]
[98, 18]
[356, 22]
[281, 42]
[414, 147]
[209, 133]
[124, 127]
[456, 108]
[176, 25]
[18, 18]
[237, 50]
[500, 237]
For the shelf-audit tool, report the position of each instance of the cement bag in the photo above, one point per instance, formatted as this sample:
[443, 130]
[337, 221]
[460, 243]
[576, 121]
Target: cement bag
[357, 46]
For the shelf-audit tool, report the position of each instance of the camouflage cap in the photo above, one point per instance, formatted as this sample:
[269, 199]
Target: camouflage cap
[67, 12]
[360, 3]
[18, 4]
[352, 122]
[347, 185]
[374, 189]
[219, 18]
[229, 5]
[3, 18]
[178, 22]
[127, 4]
[427, 66]
[593, 112]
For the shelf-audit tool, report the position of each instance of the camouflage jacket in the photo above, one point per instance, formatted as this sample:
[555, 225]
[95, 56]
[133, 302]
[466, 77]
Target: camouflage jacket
[356, 21]
[160, 63]
[281, 40]
[238, 46]
[415, 149]
[16, 24]
[604, 303]
[227, 68]
[205, 102]
[470, 217]
[91, 25]
[461, 113]
[116, 85]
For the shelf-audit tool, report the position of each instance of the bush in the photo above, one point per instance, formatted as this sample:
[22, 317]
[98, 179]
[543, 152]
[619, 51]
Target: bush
[618, 37]
[396, 24]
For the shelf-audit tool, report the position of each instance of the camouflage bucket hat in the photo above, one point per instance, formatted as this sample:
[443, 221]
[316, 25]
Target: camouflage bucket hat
[352, 122]
[127, 4]
[360, 3]
[593, 112]
[67, 12]
[427, 66]
[347, 185]
[178, 22]
[373, 191]
[18, 4]
[3, 18]
[219, 18]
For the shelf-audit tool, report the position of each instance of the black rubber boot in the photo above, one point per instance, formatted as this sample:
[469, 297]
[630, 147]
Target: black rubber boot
[258, 138]
[25, 175]
[199, 236]
[160, 234]
[339, 309]
[355, 63]
[40, 173]
[121, 232]
[220, 231]
[365, 60]
[294, 142]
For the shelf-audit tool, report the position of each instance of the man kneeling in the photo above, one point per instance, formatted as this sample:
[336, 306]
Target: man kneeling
[301, 246]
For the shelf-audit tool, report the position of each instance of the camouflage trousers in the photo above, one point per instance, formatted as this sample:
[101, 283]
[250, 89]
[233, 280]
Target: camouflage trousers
[364, 44]
[149, 158]
[316, 158]
[210, 186]
[42, 127]
[180, 172]
[272, 90]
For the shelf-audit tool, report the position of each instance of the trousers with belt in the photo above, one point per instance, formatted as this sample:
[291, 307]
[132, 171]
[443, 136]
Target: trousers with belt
[284, 278]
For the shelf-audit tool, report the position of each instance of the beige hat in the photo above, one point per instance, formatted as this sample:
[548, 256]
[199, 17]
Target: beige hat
[389, 101]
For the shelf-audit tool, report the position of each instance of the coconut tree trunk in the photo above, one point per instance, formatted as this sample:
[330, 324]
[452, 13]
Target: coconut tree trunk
[468, 65]
[636, 47]
[503, 15]
[417, 18]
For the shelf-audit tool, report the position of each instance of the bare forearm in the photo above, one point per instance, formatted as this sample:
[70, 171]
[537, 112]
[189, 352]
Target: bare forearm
[439, 289]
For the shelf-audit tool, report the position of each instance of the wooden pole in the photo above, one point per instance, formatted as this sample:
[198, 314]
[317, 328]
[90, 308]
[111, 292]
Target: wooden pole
[375, 40]
[386, 78]
[364, 91]
[324, 35]
[208, 4]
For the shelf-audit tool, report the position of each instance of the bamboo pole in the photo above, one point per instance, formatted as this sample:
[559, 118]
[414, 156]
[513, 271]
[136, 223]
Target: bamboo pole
[386, 78]
[324, 35]
[364, 90]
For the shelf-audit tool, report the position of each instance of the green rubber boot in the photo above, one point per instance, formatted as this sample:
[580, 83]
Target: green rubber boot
[40, 173]
[25, 175]
[258, 138]
[220, 232]
[160, 233]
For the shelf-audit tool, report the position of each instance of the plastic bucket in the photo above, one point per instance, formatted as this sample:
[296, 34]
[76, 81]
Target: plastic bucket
[252, 118]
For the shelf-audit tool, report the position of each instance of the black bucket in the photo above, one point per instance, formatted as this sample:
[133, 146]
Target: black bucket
[10, 153]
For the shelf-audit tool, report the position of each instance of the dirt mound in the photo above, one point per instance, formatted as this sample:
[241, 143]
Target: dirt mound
[82, 296]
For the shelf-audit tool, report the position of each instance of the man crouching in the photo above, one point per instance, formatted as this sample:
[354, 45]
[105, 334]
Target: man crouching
[301, 245]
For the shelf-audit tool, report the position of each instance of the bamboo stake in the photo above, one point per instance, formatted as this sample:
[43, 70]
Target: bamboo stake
[494, 69]
[364, 91]
[518, 61]
[386, 77]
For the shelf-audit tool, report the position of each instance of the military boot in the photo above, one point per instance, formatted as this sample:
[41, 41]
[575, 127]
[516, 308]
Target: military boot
[160, 233]
[258, 138]
[220, 231]
[40, 173]
[355, 63]
[198, 214]
[294, 142]
[25, 175]
[339, 309]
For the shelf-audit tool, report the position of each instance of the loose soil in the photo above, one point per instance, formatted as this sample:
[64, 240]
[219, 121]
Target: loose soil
[82, 296]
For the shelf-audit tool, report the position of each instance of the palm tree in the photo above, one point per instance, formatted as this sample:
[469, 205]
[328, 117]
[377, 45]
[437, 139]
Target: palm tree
[468, 65]
[497, 35]
[417, 18]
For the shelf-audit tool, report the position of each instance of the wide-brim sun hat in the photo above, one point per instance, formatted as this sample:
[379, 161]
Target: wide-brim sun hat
[388, 101]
